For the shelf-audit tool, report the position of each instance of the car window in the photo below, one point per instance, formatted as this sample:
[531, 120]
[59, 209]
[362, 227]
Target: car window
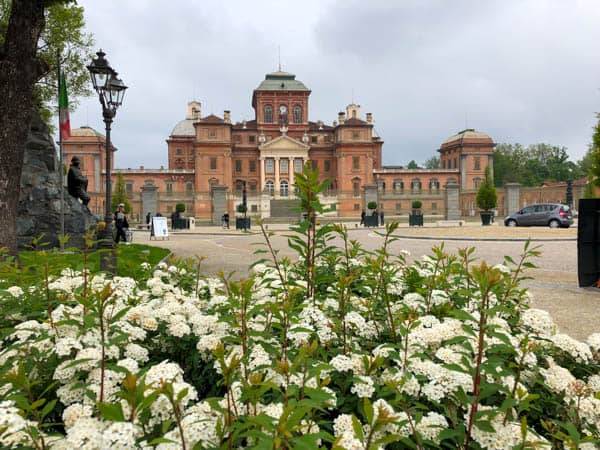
[565, 208]
[528, 210]
[540, 208]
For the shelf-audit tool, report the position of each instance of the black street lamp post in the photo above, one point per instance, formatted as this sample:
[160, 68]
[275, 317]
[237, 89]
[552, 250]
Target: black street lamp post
[110, 91]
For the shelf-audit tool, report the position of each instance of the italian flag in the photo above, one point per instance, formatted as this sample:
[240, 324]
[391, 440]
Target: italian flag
[63, 109]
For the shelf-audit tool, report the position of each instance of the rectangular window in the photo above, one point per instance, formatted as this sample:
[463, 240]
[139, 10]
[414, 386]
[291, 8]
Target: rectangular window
[169, 187]
[298, 165]
[315, 164]
[355, 163]
[213, 163]
[251, 139]
[238, 165]
[283, 166]
[477, 163]
[355, 135]
[314, 139]
[269, 166]
[212, 133]
[129, 188]
[434, 206]
[398, 206]
[252, 166]
[356, 207]
[327, 166]
[179, 151]
[253, 208]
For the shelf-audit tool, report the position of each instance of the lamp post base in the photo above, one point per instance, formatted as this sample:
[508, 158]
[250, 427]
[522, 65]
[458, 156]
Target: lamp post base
[106, 247]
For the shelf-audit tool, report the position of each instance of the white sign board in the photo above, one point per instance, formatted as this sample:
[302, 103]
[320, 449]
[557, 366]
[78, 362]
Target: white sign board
[159, 224]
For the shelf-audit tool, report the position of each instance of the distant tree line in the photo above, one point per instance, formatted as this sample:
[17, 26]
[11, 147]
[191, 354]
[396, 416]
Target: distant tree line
[536, 163]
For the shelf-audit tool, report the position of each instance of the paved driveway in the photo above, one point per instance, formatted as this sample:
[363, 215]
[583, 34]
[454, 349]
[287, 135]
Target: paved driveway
[554, 284]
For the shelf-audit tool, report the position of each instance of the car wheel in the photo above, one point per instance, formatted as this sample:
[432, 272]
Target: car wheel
[511, 223]
[554, 223]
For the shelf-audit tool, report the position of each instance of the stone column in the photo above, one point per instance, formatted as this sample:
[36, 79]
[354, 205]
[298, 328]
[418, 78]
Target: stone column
[291, 178]
[452, 200]
[276, 167]
[463, 171]
[512, 198]
[149, 200]
[262, 174]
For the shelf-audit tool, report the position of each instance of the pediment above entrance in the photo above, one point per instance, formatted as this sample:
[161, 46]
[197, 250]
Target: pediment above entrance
[284, 146]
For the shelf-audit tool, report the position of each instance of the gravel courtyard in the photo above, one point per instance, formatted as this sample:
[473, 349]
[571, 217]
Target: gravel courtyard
[554, 284]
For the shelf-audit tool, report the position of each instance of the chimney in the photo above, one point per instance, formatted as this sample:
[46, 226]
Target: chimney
[341, 117]
[320, 124]
[193, 110]
[227, 116]
[141, 167]
[369, 117]
[244, 124]
[162, 167]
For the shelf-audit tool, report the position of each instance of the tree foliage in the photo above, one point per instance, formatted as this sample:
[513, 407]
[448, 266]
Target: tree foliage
[412, 165]
[119, 194]
[595, 154]
[486, 195]
[62, 35]
[432, 163]
[532, 165]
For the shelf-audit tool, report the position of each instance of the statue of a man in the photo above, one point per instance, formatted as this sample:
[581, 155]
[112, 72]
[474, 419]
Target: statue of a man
[77, 182]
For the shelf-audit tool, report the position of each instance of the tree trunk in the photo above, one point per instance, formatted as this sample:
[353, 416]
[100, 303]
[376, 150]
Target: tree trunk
[19, 71]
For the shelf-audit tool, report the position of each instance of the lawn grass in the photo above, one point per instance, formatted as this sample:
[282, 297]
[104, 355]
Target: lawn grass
[34, 263]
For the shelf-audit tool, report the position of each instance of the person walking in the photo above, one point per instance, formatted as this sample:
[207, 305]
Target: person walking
[148, 219]
[121, 223]
[381, 217]
[363, 214]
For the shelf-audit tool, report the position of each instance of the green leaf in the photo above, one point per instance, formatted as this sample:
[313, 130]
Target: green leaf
[111, 411]
[368, 408]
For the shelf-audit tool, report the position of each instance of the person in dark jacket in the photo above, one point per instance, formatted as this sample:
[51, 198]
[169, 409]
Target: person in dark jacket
[381, 217]
[121, 223]
[148, 219]
[363, 214]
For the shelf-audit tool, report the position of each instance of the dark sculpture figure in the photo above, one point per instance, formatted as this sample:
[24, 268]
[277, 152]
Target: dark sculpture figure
[77, 183]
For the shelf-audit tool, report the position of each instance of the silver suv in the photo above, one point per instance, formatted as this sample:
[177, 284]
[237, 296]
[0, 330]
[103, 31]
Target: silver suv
[552, 215]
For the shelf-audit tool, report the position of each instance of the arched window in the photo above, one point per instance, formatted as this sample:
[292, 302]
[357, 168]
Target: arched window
[270, 187]
[297, 114]
[415, 185]
[268, 114]
[398, 186]
[434, 185]
[356, 187]
[189, 187]
[283, 188]
[239, 186]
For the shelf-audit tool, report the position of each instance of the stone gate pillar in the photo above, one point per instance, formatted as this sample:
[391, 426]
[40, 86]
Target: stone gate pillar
[149, 200]
[219, 203]
[371, 195]
[512, 198]
[452, 200]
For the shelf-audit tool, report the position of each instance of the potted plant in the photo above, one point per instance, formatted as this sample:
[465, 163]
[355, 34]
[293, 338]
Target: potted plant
[487, 199]
[243, 222]
[372, 218]
[415, 218]
[178, 222]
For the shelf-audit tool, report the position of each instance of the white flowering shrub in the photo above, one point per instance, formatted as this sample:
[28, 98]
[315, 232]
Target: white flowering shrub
[342, 348]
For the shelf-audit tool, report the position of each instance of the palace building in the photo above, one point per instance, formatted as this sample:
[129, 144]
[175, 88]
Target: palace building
[211, 159]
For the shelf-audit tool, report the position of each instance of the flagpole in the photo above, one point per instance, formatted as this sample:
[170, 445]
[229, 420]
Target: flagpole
[61, 165]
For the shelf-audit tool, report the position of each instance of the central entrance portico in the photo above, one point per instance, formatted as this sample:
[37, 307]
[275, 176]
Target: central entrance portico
[279, 159]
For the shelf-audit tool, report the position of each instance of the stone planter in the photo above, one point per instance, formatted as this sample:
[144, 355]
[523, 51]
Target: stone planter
[371, 221]
[242, 223]
[486, 217]
[415, 218]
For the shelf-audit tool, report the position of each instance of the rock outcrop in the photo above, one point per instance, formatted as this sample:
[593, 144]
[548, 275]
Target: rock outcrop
[39, 211]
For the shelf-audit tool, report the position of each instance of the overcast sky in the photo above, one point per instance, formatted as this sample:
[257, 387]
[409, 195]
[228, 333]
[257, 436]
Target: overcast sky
[524, 71]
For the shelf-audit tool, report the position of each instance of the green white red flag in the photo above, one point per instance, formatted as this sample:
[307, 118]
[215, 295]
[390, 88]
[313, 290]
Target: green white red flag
[63, 109]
